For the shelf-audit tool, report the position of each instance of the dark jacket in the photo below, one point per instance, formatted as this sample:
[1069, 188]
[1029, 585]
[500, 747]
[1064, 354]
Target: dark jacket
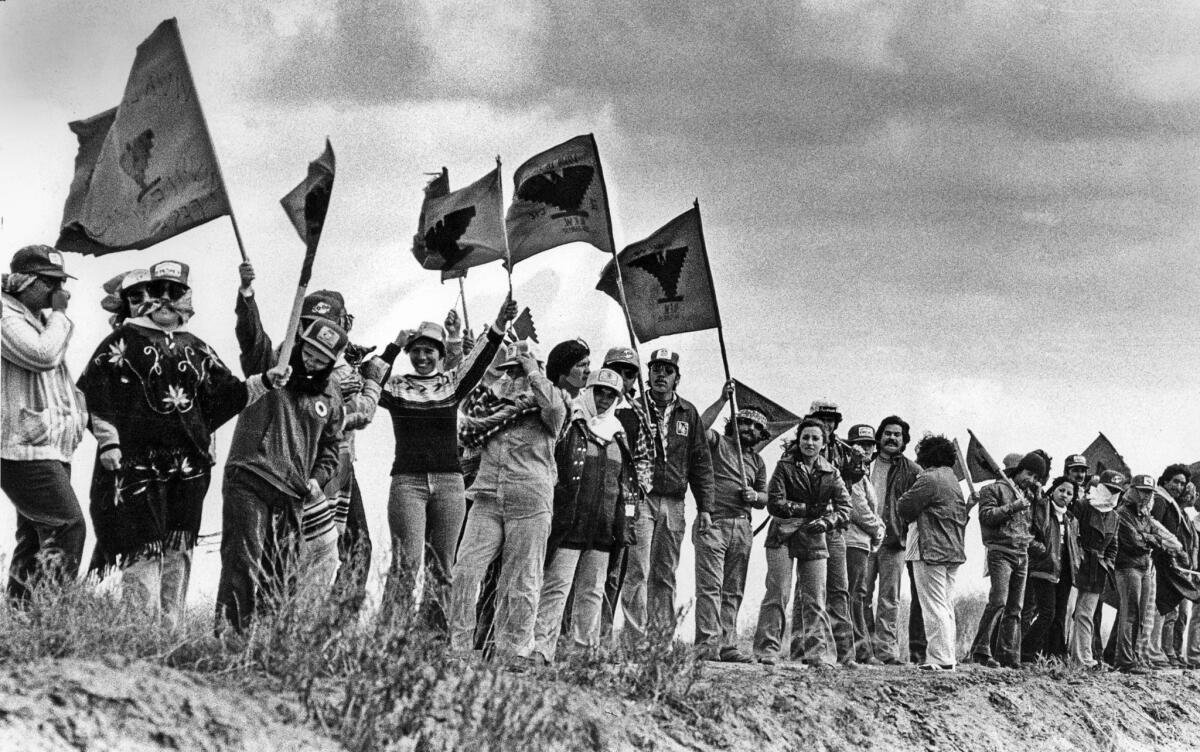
[936, 504]
[687, 461]
[823, 495]
[1135, 537]
[1001, 524]
[1095, 556]
[901, 476]
[1046, 548]
[1173, 586]
[596, 526]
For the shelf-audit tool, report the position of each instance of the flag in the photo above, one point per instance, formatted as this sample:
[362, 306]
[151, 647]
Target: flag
[307, 204]
[558, 198]
[979, 463]
[461, 229]
[1102, 455]
[523, 328]
[779, 419]
[145, 170]
[453, 274]
[667, 282]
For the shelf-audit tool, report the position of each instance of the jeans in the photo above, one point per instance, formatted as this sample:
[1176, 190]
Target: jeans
[517, 526]
[260, 546]
[613, 584]
[722, 558]
[160, 583]
[916, 620]
[935, 589]
[648, 595]
[811, 634]
[50, 526]
[889, 566]
[1038, 617]
[1174, 628]
[426, 509]
[585, 572]
[1083, 633]
[1134, 614]
[837, 596]
[860, 605]
[1193, 633]
[1000, 625]
[318, 564]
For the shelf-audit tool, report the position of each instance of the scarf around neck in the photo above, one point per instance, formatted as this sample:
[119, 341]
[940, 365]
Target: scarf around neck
[601, 426]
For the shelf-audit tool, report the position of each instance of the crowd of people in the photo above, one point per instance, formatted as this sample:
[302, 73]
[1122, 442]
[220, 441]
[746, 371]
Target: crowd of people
[538, 496]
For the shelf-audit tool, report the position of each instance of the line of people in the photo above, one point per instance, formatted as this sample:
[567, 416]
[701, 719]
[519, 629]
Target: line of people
[542, 496]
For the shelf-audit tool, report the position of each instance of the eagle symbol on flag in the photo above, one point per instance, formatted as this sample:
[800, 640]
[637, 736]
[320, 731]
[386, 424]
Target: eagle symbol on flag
[565, 191]
[135, 158]
[442, 238]
[665, 265]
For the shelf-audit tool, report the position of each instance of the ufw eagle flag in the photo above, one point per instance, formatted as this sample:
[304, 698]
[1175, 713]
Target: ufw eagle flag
[1102, 455]
[307, 204]
[779, 419]
[667, 282]
[145, 170]
[460, 229]
[558, 198]
[980, 464]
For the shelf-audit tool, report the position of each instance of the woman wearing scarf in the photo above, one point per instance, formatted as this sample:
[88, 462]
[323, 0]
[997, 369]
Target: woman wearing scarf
[517, 422]
[597, 481]
[1049, 562]
[1093, 560]
[157, 393]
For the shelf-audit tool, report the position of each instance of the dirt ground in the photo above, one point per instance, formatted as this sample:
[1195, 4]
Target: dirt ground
[118, 705]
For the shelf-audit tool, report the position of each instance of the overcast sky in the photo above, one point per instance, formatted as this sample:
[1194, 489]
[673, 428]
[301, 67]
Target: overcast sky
[977, 214]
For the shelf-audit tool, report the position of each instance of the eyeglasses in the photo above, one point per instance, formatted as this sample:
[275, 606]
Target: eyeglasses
[159, 288]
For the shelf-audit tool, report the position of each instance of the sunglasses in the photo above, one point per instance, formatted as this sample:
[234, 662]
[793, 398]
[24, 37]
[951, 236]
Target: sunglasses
[626, 372]
[157, 289]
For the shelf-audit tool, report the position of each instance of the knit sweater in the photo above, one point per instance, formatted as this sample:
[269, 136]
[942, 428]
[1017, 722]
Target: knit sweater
[44, 414]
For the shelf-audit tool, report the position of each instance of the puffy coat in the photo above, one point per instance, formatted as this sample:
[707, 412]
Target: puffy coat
[796, 496]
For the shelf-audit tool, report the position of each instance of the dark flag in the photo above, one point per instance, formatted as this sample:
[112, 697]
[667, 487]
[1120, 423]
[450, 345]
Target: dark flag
[779, 419]
[559, 198]
[979, 463]
[667, 282]
[1102, 455]
[460, 229]
[523, 328]
[145, 170]
[307, 204]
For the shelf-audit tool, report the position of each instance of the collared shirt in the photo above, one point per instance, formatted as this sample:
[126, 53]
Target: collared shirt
[728, 478]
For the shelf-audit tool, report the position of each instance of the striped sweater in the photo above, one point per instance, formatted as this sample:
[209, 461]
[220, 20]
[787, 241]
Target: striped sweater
[44, 414]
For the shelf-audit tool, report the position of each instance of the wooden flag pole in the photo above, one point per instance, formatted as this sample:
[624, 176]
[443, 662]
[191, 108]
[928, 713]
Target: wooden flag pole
[289, 337]
[966, 470]
[187, 67]
[462, 294]
[733, 406]
[612, 245]
[994, 467]
[507, 252]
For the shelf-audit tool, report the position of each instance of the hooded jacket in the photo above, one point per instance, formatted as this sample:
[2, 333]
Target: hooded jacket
[823, 494]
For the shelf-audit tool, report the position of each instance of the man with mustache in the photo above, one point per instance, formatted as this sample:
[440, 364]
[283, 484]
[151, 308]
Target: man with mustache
[681, 459]
[891, 475]
[157, 393]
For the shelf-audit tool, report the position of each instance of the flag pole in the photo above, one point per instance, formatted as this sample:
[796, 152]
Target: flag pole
[187, 67]
[733, 406]
[293, 326]
[993, 466]
[462, 294]
[507, 252]
[966, 470]
[612, 245]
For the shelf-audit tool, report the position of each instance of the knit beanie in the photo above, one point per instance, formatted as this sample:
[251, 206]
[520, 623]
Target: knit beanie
[1034, 463]
[563, 358]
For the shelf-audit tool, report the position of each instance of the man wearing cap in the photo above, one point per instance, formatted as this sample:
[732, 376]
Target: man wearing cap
[286, 451]
[334, 524]
[1004, 523]
[157, 393]
[427, 500]
[1093, 561]
[568, 365]
[1138, 536]
[862, 537]
[681, 459]
[891, 474]
[516, 421]
[723, 550]
[43, 421]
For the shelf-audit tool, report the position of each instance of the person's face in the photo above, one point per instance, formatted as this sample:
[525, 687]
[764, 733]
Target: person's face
[1143, 497]
[424, 358]
[748, 432]
[604, 397]
[514, 372]
[863, 450]
[831, 424]
[1175, 485]
[1025, 479]
[628, 374]
[892, 440]
[664, 377]
[37, 295]
[1062, 494]
[314, 360]
[810, 442]
[1077, 474]
[578, 375]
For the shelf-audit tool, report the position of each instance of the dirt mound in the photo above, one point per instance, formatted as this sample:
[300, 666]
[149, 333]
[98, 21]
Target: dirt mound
[116, 704]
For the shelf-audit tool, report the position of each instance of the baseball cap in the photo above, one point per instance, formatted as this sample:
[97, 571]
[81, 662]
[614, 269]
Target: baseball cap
[822, 406]
[861, 433]
[1114, 480]
[326, 304]
[431, 331]
[608, 378]
[326, 336]
[170, 271]
[41, 260]
[1144, 482]
[623, 356]
[134, 277]
[517, 348]
[752, 415]
[664, 355]
[1075, 460]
